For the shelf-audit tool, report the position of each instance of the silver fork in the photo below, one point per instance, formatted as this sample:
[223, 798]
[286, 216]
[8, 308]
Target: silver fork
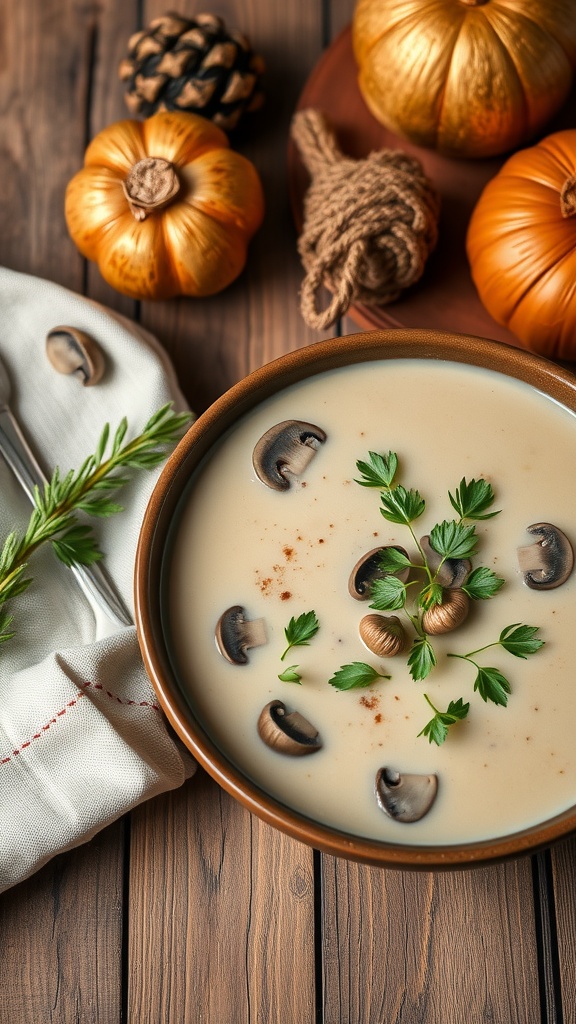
[19, 456]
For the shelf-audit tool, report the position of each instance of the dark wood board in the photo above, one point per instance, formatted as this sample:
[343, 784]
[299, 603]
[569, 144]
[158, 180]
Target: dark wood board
[445, 298]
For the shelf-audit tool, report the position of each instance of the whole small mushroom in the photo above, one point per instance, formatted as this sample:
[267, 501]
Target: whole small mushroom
[383, 635]
[72, 351]
[405, 797]
[548, 562]
[284, 452]
[443, 618]
[287, 733]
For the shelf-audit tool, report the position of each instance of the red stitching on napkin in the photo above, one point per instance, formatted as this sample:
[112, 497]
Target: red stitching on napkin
[71, 704]
[114, 696]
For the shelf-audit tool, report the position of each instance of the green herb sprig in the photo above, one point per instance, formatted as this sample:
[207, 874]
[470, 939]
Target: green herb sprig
[355, 676]
[519, 640]
[87, 490]
[436, 730]
[290, 675]
[299, 632]
[450, 540]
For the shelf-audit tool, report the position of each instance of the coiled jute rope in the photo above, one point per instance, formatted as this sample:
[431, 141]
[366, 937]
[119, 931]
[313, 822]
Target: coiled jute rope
[369, 225]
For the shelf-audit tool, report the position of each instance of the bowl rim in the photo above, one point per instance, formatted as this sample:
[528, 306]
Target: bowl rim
[537, 371]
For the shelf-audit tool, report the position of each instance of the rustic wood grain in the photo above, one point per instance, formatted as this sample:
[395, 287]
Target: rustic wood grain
[233, 936]
[215, 341]
[61, 939]
[427, 949]
[45, 80]
[60, 932]
[221, 914]
[563, 862]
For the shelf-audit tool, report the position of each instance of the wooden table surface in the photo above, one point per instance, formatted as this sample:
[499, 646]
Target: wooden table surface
[190, 909]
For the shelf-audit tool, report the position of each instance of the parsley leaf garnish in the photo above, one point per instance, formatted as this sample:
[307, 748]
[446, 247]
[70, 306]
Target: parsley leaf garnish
[402, 506]
[453, 540]
[482, 584]
[450, 541]
[355, 676]
[492, 685]
[421, 659]
[517, 639]
[472, 498]
[436, 730]
[520, 640]
[388, 594]
[300, 631]
[290, 675]
[392, 559]
[379, 472]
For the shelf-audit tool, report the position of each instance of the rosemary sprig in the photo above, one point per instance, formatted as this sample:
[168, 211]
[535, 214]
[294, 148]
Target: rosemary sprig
[87, 490]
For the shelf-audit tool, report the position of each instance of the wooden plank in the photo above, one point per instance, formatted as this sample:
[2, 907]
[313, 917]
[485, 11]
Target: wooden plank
[61, 931]
[61, 937]
[221, 914]
[429, 948]
[216, 341]
[45, 80]
[563, 862]
[414, 948]
[221, 905]
[106, 46]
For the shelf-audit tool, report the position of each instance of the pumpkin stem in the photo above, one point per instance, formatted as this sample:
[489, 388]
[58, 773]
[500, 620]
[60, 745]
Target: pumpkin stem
[474, 3]
[151, 184]
[568, 197]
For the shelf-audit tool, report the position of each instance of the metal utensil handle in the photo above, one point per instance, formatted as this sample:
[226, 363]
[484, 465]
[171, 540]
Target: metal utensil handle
[22, 461]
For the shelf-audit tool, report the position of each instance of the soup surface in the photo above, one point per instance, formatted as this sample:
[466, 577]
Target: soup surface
[279, 554]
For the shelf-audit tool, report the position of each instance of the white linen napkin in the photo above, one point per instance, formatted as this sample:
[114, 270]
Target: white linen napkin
[82, 738]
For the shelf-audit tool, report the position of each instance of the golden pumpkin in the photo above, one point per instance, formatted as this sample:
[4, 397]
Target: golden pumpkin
[164, 206]
[521, 244]
[471, 78]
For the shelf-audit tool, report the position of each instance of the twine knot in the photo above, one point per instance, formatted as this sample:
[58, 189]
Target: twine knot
[369, 225]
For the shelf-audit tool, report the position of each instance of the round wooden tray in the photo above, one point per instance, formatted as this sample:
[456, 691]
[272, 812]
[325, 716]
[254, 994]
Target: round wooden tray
[445, 297]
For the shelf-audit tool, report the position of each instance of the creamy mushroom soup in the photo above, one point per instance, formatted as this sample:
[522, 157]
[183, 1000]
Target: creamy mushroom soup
[278, 554]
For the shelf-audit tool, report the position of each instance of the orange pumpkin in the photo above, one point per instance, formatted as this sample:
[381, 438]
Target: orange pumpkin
[471, 78]
[164, 206]
[521, 244]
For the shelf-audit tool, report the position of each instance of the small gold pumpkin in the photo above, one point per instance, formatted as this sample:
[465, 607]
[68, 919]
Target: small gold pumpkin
[164, 206]
[383, 635]
[442, 618]
[470, 78]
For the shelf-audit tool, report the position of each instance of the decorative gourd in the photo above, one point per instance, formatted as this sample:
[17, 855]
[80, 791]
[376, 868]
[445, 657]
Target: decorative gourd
[471, 78]
[164, 206]
[521, 244]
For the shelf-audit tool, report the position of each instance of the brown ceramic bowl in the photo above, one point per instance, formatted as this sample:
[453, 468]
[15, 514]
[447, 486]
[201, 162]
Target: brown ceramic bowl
[152, 568]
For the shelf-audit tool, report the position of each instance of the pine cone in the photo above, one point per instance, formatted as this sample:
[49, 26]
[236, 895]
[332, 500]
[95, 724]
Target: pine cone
[194, 65]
